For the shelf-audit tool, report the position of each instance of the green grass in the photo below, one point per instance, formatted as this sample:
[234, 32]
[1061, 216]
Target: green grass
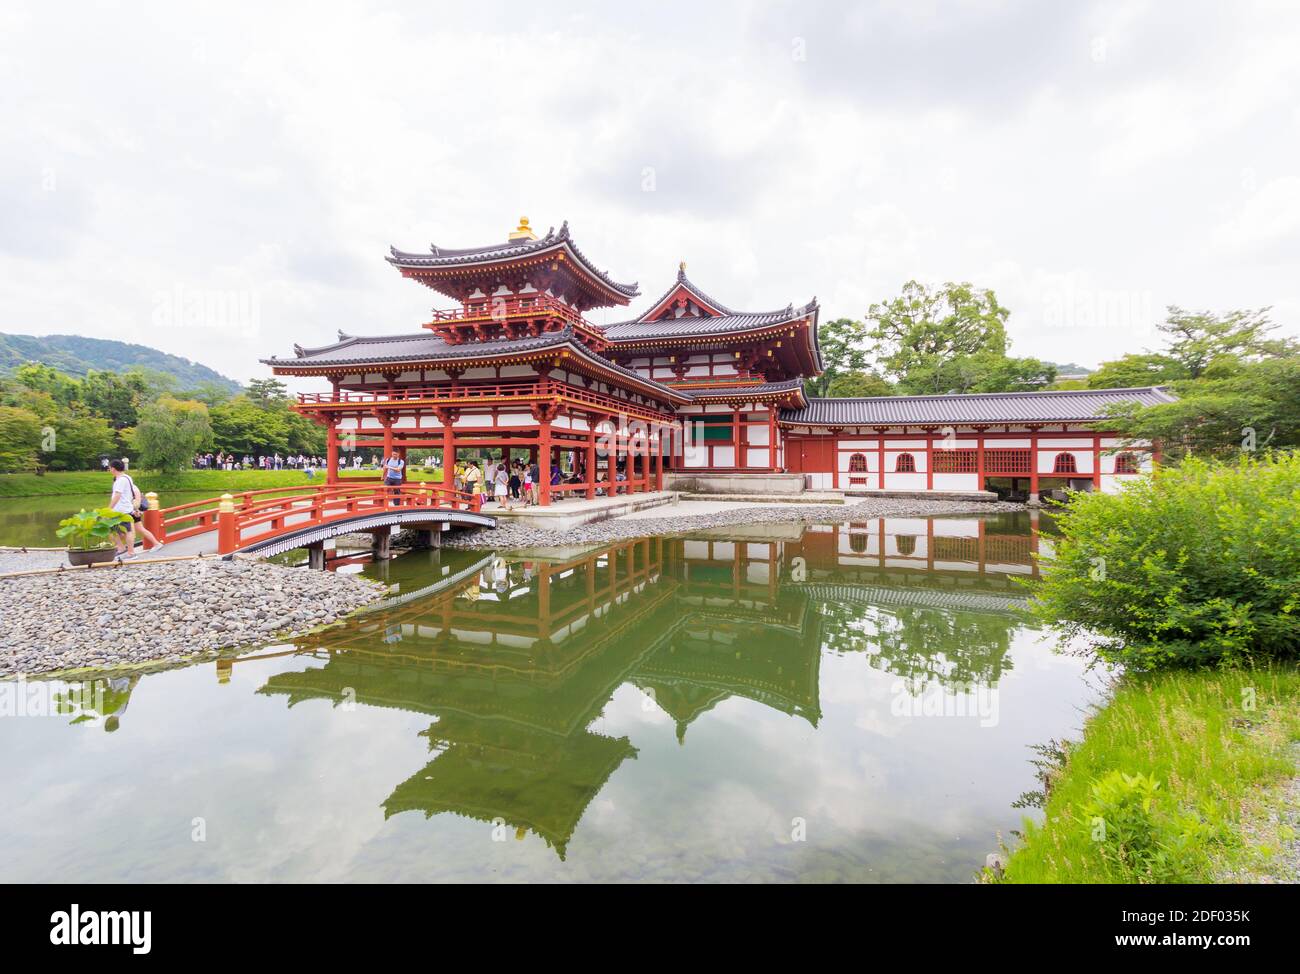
[198, 481]
[1220, 764]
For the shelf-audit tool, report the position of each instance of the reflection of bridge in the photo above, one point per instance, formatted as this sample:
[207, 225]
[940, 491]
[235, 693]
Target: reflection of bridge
[268, 522]
[517, 661]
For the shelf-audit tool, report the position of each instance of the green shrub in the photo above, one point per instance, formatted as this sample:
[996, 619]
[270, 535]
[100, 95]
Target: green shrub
[1198, 565]
[1139, 836]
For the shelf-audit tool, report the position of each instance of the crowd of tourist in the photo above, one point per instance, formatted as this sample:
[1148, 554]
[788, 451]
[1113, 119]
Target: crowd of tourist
[222, 460]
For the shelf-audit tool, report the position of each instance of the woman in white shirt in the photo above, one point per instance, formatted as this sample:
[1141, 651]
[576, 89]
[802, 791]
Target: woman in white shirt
[501, 484]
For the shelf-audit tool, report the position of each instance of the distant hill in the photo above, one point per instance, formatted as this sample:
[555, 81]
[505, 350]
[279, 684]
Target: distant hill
[1069, 368]
[76, 355]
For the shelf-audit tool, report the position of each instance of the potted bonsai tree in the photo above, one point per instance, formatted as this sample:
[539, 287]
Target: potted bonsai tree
[89, 535]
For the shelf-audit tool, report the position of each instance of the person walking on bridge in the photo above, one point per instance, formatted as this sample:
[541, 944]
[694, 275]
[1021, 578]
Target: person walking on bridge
[394, 470]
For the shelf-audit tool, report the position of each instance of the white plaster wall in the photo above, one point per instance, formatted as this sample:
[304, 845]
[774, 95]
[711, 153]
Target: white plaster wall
[904, 481]
[956, 481]
[757, 458]
[1062, 443]
[724, 456]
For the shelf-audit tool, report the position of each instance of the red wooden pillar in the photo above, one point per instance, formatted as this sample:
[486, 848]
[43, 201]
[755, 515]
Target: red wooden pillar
[979, 462]
[1096, 462]
[880, 453]
[448, 450]
[591, 463]
[1033, 465]
[331, 453]
[929, 459]
[543, 449]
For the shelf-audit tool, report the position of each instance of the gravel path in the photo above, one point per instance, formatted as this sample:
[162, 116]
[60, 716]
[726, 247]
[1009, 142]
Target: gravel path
[17, 560]
[507, 535]
[167, 612]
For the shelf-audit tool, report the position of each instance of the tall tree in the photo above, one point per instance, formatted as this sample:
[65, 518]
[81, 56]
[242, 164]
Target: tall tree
[843, 344]
[1196, 339]
[20, 438]
[170, 432]
[268, 392]
[950, 339]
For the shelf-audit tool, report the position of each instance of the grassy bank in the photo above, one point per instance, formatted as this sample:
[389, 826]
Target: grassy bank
[1217, 753]
[199, 481]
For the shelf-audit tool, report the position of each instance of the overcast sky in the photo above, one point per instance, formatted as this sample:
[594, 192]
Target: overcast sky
[223, 180]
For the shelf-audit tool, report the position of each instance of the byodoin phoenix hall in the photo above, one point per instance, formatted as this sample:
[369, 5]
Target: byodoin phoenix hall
[689, 389]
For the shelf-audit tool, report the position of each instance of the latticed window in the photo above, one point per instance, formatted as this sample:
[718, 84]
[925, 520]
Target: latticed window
[1065, 464]
[906, 463]
[1006, 460]
[1126, 463]
[858, 463]
[905, 543]
[955, 461]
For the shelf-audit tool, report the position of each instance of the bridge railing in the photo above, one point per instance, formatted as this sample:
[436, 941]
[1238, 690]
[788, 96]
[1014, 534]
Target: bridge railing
[282, 509]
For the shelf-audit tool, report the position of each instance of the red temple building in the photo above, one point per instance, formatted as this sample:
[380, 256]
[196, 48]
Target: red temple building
[690, 388]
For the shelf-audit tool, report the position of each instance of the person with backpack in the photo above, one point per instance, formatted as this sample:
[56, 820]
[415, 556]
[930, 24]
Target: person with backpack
[127, 499]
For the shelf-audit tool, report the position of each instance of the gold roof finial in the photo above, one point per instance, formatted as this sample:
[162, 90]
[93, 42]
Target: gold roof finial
[682, 266]
[523, 231]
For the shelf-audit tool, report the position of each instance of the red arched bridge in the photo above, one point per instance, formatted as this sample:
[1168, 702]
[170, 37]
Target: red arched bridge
[268, 522]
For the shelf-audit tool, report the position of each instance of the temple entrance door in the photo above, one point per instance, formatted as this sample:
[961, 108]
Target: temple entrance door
[810, 454]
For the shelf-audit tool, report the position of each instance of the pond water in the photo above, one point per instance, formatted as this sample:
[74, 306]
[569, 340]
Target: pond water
[847, 702]
[33, 520]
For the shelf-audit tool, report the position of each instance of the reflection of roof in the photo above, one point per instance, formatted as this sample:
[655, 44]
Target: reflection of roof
[468, 257]
[690, 672]
[990, 407]
[927, 597]
[528, 781]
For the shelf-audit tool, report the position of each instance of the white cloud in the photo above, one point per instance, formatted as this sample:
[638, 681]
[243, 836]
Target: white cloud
[276, 151]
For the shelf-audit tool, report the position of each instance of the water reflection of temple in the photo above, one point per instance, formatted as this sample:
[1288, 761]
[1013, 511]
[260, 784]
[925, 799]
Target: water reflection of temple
[518, 658]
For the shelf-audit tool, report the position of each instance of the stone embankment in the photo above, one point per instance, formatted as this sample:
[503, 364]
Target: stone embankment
[166, 612]
[508, 535]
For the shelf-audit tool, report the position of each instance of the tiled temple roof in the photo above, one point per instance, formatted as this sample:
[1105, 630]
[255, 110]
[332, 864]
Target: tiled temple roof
[492, 253]
[992, 407]
[702, 325]
[685, 282]
[351, 350]
[736, 393]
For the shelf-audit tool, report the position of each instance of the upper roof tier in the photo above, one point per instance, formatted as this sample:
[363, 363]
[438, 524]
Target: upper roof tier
[551, 263]
[685, 317]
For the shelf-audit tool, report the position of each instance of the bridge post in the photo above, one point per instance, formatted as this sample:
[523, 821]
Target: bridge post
[227, 526]
[316, 556]
[153, 522]
[382, 544]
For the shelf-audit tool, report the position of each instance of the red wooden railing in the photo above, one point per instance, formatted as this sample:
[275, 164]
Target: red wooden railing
[492, 308]
[283, 509]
